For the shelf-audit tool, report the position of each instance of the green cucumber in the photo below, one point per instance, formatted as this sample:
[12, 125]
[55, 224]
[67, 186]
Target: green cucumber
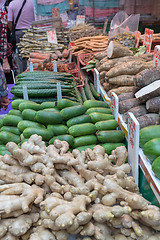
[3, 147]
[95, 103]
[74, 111]
[96, 117]
[152, 149]
[22, 137]
[87, 90]
[58, 129]
[22, 125]
[106, 125]
[30, 105]
[82, 129]
[11, 120]
[29, 114]
[14, 130]
[51, 109]
[111, 146]
[1, 122]
[9, 137]
[100, 110]
[78, 120]
[111, 136]
[148, 133]
[78, 96]
[64, 103]
[15, 112]
[156, 167]
[43, 132]
[15, 103]
[94, 92]
[3, 152]
[67, 138]
[49, 117]
[84, 140]
[83, 148]
[83, 95]
[48, 104]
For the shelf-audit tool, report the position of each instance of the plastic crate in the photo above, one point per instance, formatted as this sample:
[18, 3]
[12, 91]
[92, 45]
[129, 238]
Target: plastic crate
[82, 57]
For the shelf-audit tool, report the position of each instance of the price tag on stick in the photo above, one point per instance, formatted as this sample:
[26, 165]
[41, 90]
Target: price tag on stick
[156, 58]
[80, 19]
[96, 80]
[133, 145]
[52, 37]
[25, 93]
[105, 25]
[54, 66]
[59, 91]
[114, 105]
[137, 35]
[31, 67]
[148, 35]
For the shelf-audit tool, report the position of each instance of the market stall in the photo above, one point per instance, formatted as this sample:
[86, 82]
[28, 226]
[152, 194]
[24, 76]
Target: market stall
[83, 123]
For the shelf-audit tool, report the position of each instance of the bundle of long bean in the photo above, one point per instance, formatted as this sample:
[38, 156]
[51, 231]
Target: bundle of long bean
[89, 44]
[35, 40]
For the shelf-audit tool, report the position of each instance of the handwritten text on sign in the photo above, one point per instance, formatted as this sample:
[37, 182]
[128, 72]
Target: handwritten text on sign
[137, 34]
[148, 35]
[132, 129]
[55, 12]
[52, 37]
[80, 19]
[156, 59]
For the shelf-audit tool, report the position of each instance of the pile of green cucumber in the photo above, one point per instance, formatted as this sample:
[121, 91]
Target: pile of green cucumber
[81, 125]
[42, 86]
[150, 143]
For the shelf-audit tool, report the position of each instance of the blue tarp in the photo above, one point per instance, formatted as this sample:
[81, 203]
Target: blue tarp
[46, 10]
[100, 4]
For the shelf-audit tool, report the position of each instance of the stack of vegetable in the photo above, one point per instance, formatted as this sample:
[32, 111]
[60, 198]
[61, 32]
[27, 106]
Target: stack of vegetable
[35, 40]
[48, 193]
[118, 66]
[150, 143]
[79, 125]
[144, 102]
[83, 30]
[42, 86]
[89, 45]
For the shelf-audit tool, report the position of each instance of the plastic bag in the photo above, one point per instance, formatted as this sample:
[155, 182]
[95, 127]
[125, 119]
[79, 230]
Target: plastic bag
[123, 23]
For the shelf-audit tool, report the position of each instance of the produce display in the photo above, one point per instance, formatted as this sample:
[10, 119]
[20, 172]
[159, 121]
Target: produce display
[48, 192]
[83, 30]
[144, 102]
[35, 40]
[46, 89]
[79, 125]
[89, 45]
[150, 143]
[126, 39]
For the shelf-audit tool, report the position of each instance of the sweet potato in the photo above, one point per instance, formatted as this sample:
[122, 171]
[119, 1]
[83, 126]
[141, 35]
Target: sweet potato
[148, 119]
[100, 55]
[122, 80]
[102, 75]
[129, 68]
[116, 49]
[120, 90]
[125, 96]
[150, 91]
[36, 60]
[65, 53]
[147, 76]
[126, 105]
[38, 55]
[153, 105]
[137, 111]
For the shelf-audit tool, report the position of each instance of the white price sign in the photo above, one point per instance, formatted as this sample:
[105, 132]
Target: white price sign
[52, 36]
[114, 105]
[80, 19]
[148, 35]
[133, 145]
[59, 91]
[96, 80]
[156, 59]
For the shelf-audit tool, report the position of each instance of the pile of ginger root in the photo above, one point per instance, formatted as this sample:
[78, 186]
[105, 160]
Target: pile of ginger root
[49, 193]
